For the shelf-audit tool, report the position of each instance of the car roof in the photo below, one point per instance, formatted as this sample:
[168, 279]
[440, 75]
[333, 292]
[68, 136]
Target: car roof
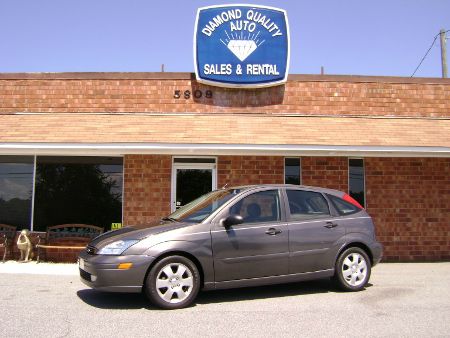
[289, 186]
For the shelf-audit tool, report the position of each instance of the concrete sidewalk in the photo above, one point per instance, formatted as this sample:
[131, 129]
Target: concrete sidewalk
[401, 300]
[39, 269]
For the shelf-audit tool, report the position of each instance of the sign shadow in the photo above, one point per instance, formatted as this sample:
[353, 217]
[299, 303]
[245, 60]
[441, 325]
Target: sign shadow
[241, 99]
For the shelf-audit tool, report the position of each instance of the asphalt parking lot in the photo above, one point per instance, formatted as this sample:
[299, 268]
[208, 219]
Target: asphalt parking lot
[402, 300]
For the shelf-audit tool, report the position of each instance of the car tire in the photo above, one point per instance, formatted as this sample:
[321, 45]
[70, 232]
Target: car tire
[173, 283]
[352, 270]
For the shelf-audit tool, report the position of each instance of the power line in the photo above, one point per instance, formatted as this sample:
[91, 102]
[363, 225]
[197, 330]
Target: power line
[434, 41]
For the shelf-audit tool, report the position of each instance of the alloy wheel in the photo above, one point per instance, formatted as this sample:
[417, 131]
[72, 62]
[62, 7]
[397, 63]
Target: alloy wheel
[174, 283]
[354, 269]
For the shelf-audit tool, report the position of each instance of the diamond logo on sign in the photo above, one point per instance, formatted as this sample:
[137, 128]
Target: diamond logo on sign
[241, 46]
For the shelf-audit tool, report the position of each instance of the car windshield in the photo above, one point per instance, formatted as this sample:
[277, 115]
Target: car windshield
[200, 208]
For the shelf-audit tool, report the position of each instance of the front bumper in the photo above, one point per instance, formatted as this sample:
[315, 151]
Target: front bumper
[101, 272]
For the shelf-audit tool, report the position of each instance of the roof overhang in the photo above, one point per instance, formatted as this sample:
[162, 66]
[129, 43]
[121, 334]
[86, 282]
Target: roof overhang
[121, 149]
[231, 134]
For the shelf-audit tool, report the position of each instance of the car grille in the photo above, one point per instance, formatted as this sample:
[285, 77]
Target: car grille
[90, 250]
[85, 275]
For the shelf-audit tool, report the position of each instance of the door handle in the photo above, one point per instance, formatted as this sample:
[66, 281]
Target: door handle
[273, 231]
[330, 225]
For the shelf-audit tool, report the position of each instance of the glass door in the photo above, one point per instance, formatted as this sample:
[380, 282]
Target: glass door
[191, 179]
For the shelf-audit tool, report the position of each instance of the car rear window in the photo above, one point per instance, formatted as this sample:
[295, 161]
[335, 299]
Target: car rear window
[343, 207]
[307, 204]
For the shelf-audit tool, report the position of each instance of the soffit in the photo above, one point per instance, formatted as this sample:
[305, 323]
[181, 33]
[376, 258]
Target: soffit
[239, 130]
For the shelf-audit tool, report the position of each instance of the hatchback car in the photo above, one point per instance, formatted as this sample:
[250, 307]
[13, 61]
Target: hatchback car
[237, 237]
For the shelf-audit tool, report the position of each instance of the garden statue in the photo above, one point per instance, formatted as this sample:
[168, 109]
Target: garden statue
[25, 246]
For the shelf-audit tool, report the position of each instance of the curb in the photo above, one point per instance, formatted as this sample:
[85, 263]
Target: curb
[14, 267]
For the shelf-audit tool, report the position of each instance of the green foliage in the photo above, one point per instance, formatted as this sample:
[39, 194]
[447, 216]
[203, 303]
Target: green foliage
[75, 193]
[15, 212]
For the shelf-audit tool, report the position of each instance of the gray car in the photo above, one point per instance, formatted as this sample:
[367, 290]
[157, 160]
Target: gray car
[238, 237]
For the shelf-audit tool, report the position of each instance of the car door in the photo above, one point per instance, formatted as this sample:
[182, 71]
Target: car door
[313, 232]
[256, 248]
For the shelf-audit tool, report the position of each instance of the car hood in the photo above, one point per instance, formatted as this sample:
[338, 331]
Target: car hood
[136, 232]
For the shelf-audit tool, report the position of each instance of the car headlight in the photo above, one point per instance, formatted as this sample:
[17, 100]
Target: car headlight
[116, 248]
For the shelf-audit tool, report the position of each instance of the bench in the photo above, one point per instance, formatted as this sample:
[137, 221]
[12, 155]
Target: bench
[7, 235]
[67, 236]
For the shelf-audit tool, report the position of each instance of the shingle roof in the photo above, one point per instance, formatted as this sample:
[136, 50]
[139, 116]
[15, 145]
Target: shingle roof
[224, 129]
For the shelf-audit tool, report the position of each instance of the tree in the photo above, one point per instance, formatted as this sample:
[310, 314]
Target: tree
[75, 193]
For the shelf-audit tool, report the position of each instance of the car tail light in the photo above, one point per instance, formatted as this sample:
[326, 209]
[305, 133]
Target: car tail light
[351, 200]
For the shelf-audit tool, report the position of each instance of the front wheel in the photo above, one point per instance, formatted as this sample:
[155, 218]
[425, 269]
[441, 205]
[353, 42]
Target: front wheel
[173, 283]
[352, 270]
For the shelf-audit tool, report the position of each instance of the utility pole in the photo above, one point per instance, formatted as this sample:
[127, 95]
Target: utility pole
[443, 53]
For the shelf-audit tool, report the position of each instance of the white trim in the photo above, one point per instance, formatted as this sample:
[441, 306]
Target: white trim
[203, 166]
[198, 149]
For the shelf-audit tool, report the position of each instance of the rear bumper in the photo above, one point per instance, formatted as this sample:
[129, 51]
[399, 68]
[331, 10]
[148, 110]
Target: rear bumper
[377, 252]
[101, 272]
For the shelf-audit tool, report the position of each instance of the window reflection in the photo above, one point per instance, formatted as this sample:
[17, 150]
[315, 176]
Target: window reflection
[86, 190]
[16, 188]
[356, 184]
[292, 171]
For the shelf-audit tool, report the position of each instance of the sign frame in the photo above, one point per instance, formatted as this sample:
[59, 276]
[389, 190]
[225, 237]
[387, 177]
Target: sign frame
[242, 85]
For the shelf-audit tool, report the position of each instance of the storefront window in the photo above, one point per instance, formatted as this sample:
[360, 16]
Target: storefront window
[292, 170]
[83, 190]
[356, 186]
[16, 190]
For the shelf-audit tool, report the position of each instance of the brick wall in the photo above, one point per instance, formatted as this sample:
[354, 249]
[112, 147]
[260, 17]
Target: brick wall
[409, 200]
[147, 181]
[326, 172]
[48, 255]
[62, 255]
[241, 170]
[146, 188]
[154, 92]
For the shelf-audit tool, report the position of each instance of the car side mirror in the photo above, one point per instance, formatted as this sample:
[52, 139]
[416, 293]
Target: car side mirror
[232, 220]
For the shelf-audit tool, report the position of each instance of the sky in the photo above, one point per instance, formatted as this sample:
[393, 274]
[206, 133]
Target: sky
[348, 37]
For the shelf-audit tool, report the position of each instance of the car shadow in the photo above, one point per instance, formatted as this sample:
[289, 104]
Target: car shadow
[127, 301]
[270, 291]
[266, 292]
[113, 300]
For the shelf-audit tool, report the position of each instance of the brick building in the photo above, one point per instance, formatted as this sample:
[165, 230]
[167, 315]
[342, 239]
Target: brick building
[137, 141]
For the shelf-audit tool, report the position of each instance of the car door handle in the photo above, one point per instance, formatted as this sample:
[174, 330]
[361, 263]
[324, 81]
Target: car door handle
[273, 231]
[330, 225]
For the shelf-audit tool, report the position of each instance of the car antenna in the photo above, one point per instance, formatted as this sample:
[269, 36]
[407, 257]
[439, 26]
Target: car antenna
[225, 185]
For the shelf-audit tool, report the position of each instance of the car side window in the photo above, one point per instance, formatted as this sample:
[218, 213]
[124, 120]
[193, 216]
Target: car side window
[307, 204]
[263, 206]
[343, 207]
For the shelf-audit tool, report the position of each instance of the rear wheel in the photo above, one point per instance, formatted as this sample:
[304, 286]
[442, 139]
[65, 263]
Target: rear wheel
[173, 283]
[352, 270]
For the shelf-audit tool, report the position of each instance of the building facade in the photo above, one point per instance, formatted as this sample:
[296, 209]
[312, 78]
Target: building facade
[104, 148]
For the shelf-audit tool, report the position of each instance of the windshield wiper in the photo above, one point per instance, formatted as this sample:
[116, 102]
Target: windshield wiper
[169, 219]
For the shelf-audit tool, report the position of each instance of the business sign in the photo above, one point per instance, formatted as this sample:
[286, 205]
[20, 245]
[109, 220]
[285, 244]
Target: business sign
[241, 46]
